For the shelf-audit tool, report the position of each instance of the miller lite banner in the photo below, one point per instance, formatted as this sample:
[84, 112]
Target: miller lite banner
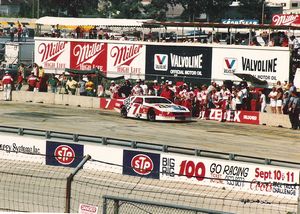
[269, 64]
[285, 19]
[52, 55]
[179, 61]
[126, 60]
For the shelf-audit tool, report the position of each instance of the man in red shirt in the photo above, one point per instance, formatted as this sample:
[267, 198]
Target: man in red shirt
[32, 81]
[7, 82]
[167, 93]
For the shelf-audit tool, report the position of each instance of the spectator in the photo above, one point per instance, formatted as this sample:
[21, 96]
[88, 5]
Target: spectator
[285, 102]
[262, 101]
[12, 31]
[144, 87]
[273, 99]
[125, 89]
[41, 72]
[19, 81]
[32, 81]
[137, 90]
[35, 69]
[167, 92]
[81, 85]
[7, 82]
[279, 99]
[71, 85]
[293, 109]
[53, 82]
[113, 89]
[63, 82]
[19, 32]
[89, 87]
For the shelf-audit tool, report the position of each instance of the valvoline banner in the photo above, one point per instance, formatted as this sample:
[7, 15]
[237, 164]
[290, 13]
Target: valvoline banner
[142, 164]
[63, 154]
[88, 55]
[179, 61]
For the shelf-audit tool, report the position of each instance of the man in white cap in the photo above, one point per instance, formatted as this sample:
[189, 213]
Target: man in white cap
[113, 89]
[7, 82]
[137, 90]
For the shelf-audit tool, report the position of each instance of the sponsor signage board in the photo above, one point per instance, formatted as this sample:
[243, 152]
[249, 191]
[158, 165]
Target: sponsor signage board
[126, 60]
[240, 21]
[52, 54]
[248, 117]
[87, 209]
[143, 164]
[285, 19]
[261, 179]
[88, 55]
[269, 65]
[63, 154]
[179, 61]
[22, 148]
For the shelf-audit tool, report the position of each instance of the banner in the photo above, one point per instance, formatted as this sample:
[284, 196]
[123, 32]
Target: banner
[52, 55]
[248, 117]
[63, 154]
[126, 60]
[143, 164]
[270, 64]
[240, 21]
[88, 55]
[179, 61]
[254, 178]
[285, 19]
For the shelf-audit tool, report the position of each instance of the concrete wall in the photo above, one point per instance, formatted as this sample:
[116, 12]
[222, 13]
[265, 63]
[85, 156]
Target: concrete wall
[268, 119]
[55, 99]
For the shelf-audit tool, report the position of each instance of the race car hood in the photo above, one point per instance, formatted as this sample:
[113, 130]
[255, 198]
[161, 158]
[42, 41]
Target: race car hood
[169, 107]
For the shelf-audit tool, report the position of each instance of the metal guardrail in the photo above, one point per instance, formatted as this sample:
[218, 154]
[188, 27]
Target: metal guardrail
[147, 146]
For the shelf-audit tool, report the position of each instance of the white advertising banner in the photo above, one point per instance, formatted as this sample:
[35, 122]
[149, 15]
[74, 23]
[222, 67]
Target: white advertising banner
[108, 158]
[22, 148]
[260, 179]
[53, 55]
[126, 60]
[270, 64]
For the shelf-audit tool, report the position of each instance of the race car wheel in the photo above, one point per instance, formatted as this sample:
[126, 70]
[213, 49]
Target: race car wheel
[151, 115]
[123, 112]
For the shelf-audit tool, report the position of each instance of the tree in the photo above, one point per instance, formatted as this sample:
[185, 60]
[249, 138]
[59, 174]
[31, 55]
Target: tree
[251, 9]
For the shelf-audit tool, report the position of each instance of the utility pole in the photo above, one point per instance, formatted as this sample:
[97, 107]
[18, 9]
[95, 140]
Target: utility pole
[263, 12]
[38, 9]
[33, 10]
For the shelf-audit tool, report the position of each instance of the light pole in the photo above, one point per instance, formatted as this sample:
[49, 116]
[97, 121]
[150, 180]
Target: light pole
[263, 12]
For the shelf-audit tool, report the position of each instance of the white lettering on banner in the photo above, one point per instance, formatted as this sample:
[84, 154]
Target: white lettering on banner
[125, 55]
[284, 19]
[186, 61]
[239, 176]
[259, 65]
[51, 51]
[87, 52]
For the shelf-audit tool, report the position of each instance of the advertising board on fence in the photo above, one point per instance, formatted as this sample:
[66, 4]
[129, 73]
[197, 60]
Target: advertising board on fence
[248, 117]
[126, 60]
[254, 178]
[179, 61]
[22, 148]
[63, 154]
[269, 65]
[285, 19]
[143, 164]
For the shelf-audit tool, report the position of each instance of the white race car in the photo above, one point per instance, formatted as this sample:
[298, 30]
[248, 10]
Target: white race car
[152, 108]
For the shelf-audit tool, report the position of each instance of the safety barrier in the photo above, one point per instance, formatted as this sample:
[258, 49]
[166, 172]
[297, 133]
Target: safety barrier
[144, 145]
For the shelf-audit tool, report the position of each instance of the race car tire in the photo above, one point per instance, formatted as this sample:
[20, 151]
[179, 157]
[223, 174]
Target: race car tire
[124, 112]
[151, 115]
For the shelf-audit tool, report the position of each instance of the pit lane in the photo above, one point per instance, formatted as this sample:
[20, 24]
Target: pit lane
[260, 141]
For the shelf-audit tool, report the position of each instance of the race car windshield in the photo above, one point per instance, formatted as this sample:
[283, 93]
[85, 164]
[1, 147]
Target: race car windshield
[157, 100]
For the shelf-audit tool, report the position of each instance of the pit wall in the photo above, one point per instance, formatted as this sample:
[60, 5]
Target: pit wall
[268, 119]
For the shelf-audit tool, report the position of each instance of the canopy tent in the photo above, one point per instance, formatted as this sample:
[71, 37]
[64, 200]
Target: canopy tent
[94, 71]
[102, 22]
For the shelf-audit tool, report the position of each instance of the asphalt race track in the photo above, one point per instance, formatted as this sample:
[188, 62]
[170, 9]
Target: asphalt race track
[260, 141]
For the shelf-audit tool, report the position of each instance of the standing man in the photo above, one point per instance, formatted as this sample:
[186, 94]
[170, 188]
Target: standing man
[7, 81]
[293, 109]
[32, 81]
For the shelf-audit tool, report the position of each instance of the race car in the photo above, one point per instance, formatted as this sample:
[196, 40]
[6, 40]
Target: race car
[152, 108]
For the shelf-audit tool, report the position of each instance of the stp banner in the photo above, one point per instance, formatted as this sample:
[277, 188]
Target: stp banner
[179, 61]
[285, 19]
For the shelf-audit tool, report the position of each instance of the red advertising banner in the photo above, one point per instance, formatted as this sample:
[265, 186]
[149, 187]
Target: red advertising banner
[88, 55]
[110, 104]
[285, 19]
